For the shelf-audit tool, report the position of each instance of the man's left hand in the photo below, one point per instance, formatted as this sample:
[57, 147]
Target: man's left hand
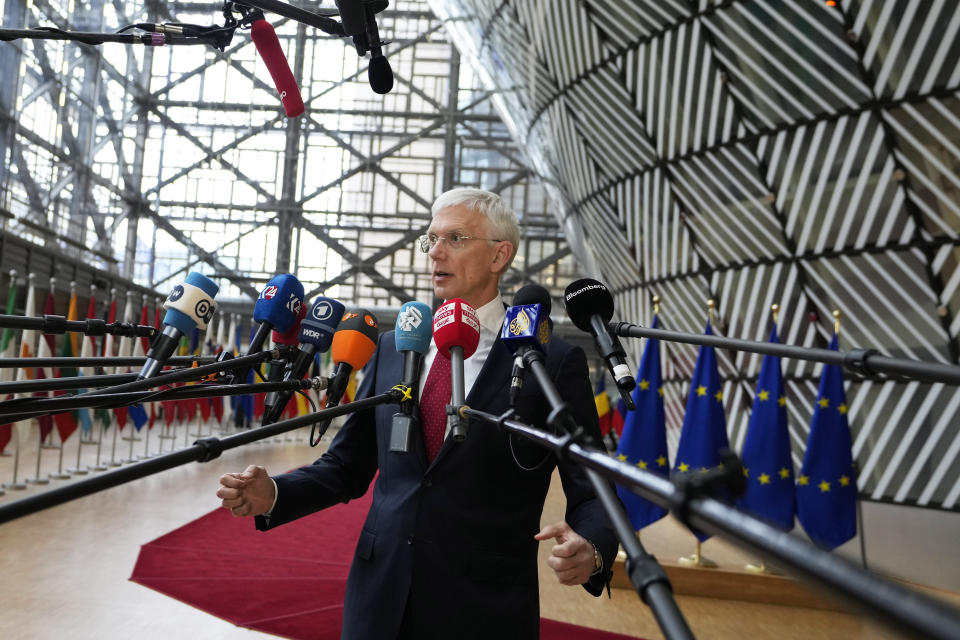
[572, 557]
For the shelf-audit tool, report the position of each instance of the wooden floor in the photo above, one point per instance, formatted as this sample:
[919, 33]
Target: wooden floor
[65, 570]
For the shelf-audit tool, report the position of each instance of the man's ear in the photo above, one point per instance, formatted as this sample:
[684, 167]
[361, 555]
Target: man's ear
[502, 257]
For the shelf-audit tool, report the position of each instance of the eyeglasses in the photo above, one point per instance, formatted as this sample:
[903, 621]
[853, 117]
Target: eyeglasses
[454, 241]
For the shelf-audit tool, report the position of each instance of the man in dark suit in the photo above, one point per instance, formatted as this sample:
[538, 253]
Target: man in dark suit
[449, 547]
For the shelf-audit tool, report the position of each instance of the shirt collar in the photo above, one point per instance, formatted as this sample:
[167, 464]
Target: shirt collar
[491, 315]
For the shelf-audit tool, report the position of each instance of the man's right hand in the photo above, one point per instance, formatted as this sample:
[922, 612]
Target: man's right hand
[251, 493]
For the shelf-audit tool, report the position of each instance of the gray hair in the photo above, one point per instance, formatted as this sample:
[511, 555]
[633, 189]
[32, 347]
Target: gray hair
[501, 220]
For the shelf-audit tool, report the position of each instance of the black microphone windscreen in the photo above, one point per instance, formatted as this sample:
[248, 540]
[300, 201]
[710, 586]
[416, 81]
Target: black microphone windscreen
[380, 75]
[533, 294]
[586, 298]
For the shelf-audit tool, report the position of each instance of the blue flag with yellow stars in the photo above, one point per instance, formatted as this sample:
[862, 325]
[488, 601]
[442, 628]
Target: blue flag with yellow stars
[770, 493]
[644, 439]
[704, 431]
[826, 487]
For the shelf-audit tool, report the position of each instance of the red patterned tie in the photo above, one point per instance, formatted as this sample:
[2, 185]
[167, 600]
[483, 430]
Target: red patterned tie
[433, 405]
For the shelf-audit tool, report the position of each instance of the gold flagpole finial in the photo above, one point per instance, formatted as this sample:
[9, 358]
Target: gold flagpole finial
[775, 312]
[836, 321]
[711, 309]
[73, 287]
[656, 304]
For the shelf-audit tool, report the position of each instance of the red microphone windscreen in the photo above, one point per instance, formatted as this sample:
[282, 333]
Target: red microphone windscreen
[268, 45]
[455, 324]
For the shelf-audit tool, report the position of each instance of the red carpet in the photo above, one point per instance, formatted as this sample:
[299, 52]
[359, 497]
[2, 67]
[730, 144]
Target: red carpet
[287, 582]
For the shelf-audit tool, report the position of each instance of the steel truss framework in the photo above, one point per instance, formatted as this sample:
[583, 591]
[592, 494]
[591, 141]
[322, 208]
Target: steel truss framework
[153, 161]
[758, 152]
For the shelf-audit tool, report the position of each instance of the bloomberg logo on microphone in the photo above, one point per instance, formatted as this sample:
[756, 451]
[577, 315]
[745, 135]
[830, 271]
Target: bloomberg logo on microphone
[586, 288]
[410, 319]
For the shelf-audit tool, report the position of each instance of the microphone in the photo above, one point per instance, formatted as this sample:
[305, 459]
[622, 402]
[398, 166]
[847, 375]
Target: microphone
[189, 305]
[276, 368]
[353, 344]
[358, 19]
[526, 326]
[276, 309]
[268, 46]
[590, 307]
[412, 336]
[456, 332]
[315, 334]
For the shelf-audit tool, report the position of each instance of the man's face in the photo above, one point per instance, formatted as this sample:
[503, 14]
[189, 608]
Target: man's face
[473, 271]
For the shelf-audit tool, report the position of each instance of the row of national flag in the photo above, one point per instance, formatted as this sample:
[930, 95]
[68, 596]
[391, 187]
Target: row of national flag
[822, 497]
[242, 410]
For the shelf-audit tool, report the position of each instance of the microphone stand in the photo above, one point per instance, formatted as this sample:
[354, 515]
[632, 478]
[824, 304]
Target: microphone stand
[23, 408]
[866, 362]
[203, 450]
[98, 361]
[912, 612]
[180, 375]
[455, 420]
[647, 576]
[90, 327]
[404, 423]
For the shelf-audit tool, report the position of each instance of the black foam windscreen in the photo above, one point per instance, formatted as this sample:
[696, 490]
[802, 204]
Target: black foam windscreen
[533, 294]
[380, 74]
[586, 298]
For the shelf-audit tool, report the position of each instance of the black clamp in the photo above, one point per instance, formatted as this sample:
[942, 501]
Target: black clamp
[727, 478]
[644, 572]
[212, 448]
[54, 324]
[856, 361]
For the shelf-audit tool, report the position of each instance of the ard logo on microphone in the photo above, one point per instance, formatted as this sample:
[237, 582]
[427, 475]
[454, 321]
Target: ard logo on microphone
[322, 310]
[409, 319]
[269, 291]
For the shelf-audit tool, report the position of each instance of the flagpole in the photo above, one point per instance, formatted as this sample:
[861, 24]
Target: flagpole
[761, 567]
[98, 466]
[697, 559]
[13, 484]
[79, 470]
[856, 472]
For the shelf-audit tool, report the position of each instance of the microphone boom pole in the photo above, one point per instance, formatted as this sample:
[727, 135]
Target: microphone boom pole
[866, 362]
[98, 361]
[202, 450]
[914, 613]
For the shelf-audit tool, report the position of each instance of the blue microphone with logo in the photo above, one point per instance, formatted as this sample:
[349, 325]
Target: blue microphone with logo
[412, 336]
[277, 308]
[526, 327]
[189, 305]
[316, 336]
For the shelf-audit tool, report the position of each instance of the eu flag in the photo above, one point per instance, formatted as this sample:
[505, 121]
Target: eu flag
[704, 431]
[770, 493]
[827, 488]
[644, 440]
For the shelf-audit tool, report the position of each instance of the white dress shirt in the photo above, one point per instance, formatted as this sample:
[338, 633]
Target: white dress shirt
[491, 317]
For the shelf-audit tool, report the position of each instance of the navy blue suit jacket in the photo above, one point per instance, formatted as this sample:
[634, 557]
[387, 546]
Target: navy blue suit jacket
[447, 548]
